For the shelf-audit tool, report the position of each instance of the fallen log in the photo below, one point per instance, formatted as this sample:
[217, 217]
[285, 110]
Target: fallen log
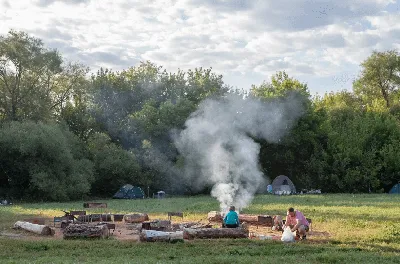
[251, 219]
[159, 225]
[85, 231]
[136, 218]
[153, 236]
[35, 228]
[36, 220]
[191, 233]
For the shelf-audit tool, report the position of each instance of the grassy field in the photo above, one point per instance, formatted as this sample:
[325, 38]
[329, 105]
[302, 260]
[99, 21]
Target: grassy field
[355, 228]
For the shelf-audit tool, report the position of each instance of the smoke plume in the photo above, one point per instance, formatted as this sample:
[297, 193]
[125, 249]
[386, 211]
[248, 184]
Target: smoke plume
[218, 147]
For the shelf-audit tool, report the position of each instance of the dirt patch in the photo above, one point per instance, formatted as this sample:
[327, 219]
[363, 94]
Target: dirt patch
[131, 232]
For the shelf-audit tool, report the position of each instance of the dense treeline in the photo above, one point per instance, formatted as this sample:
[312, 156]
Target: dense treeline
[65, 134]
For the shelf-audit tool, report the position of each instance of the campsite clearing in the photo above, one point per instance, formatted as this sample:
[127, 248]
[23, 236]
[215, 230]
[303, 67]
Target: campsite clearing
[346, 228]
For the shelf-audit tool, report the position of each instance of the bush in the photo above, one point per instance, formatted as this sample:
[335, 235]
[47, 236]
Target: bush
[42, 161]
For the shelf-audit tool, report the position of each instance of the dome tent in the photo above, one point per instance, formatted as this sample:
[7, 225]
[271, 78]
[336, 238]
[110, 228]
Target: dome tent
[129, 192]
[283, 185]
[395, 189]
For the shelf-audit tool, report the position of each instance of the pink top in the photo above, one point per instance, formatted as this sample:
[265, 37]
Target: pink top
[293, 220]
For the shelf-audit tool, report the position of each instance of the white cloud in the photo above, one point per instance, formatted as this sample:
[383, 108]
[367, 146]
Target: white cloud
[310, 39]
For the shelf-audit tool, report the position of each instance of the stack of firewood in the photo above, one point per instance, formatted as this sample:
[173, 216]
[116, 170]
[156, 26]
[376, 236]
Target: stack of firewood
[85, 231]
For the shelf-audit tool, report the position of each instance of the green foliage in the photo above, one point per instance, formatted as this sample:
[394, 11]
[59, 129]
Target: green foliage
[114, 166]
[359, 152]
[27, 74]
[281, 85]
[345, 141]
[42, 161]
[380, 79]
[292, 154]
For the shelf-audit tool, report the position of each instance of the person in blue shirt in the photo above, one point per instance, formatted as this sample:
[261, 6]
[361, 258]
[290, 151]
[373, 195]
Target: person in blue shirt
[231, 219]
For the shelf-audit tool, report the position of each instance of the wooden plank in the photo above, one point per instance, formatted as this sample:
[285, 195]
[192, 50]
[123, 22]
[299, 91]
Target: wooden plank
[77, 213]
[190, 233]
[94, 205]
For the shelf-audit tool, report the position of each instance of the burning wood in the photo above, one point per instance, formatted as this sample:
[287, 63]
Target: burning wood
[34, 228]
[191, 233]
[85, 231]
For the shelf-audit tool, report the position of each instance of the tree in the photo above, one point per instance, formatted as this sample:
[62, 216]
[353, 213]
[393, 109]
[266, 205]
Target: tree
[43, 161]
[113, 166]
[27, 72]
[281, 85]
[380, 77]
[291, 155]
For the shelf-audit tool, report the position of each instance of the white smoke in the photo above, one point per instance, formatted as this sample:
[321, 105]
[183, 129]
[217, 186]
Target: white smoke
[219, 149]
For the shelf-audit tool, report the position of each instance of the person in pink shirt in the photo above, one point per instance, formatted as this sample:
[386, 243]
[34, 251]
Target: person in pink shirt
[297, 222]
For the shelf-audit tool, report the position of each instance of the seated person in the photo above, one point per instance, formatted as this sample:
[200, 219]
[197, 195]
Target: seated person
[297, 222]
[231, 219]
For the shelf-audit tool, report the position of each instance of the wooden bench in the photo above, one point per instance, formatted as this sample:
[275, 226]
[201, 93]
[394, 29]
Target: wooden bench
[60, 219]
[171, 214]
[94, 205]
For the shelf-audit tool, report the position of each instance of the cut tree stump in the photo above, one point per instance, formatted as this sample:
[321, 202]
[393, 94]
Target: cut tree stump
[136, 218]
[34, 228]
[86, 231]
[191, 233]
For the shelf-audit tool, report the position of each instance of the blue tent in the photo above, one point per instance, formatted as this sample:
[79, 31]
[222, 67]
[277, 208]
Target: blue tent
[129, 192]
[395, 189]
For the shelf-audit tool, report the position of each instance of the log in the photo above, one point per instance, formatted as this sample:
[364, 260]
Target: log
[136, 218]
[251, 219]
[153, 236]
[34, 228]
[159, 225]
[190, 233]
[265, 220]
[214, 216]
[85, 231]
[36, 220]
[94, 205]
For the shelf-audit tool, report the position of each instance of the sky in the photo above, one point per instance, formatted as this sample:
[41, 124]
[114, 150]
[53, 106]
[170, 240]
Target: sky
[319, 42]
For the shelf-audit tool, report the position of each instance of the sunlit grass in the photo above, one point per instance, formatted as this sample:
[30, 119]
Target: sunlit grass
[360, 228]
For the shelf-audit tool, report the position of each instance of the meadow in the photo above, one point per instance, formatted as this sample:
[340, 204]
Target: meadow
[347, 228]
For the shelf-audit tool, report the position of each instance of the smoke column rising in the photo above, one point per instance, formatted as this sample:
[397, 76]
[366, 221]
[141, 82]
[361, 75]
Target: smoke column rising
[218, 144]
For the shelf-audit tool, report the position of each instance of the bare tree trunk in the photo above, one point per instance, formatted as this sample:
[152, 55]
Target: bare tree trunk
[152, 236]
[189, 233]
[34, 228]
